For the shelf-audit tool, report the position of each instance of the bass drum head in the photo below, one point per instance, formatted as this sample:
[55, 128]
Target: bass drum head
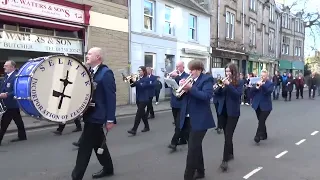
[61, 88]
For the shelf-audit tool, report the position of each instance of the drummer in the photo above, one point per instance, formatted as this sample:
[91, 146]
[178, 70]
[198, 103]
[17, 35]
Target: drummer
[103, 112]
[6, 98]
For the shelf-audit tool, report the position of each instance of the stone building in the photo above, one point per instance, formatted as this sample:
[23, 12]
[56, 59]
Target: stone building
[37, 28]
[291, 42]
[262, 27]
[250, 34]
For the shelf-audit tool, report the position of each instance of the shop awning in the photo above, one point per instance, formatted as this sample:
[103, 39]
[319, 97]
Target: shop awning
[298, 65]
[10, 17]
[285, 64]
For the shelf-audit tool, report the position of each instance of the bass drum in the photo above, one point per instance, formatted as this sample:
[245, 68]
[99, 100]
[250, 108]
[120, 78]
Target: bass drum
[57, 88]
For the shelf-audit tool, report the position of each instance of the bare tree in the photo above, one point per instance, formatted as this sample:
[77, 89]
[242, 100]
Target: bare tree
[311, 18]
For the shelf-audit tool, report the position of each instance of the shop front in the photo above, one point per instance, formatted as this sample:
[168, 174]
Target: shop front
[221, 57]
[285, 66]
[31, 29]
[297, 67]
[257, 63]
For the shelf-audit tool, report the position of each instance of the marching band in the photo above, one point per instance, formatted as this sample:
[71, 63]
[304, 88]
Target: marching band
[191, 96]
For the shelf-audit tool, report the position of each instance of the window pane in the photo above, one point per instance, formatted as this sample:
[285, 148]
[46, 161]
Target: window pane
[148, 60]
[168, 14]
[191, 34]
[148, 8]
[191, 21]
[67, 34]
[148, 22]
[167, 28]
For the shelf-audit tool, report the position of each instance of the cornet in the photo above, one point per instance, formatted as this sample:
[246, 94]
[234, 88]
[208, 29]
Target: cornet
[259, 83]
[133, 77]
[220, 83]
[168, 75]
[179, 92]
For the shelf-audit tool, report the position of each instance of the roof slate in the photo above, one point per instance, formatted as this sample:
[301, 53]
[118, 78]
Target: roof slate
[192, 5]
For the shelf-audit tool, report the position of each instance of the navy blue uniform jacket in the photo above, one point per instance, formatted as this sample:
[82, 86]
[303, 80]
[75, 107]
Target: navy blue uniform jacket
[196, 103]
[174, 102]
[152, 85]
[142, 89]
[230, 95]
[262, 96]
[104, 97]
[7, 86]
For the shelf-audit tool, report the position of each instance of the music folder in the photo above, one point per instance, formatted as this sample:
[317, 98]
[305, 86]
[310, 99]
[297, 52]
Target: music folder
[171, 83]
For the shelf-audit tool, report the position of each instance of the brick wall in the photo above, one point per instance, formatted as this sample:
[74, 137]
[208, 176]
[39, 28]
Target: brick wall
[115, 44]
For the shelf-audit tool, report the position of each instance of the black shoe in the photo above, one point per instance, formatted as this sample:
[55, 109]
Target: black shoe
[219, 131]
[18, 139]
[231, 157]
[102, 173]
[172, 147]
[257, 139]
[224, 166]
[57, 132]
[76, 144]
[77, 130]
[145, 130]
[151, 117]
[132, 132]
[199, 174]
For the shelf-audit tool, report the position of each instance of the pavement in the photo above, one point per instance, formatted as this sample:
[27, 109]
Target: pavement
[290, 153]
[121, 111]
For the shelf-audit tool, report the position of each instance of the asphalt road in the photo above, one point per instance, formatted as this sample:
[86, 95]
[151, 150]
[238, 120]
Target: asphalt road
[146, 157]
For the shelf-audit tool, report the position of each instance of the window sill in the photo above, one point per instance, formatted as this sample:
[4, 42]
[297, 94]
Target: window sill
[193, 41]
[169, 36]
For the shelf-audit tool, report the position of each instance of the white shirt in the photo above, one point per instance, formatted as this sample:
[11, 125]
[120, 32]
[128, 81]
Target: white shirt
[95, 69]
[9, 74]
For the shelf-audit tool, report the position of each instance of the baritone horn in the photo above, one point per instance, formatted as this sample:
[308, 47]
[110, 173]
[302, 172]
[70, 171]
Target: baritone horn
[179, 92]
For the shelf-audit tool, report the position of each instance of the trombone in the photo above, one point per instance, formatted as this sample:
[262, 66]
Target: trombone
[179, 92]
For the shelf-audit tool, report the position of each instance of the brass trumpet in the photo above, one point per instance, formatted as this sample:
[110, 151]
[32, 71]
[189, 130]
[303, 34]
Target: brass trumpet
[133, 77]
[220, 83]
[260, 83]
[168, 75]
[179, 92]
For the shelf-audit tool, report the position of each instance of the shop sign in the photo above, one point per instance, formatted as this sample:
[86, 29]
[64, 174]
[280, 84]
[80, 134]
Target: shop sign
[39, 43]
[44, 9]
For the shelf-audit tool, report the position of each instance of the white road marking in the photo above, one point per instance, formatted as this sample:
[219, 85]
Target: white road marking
[300, 142]
[314, 133]
[252, 173]
[281, 154]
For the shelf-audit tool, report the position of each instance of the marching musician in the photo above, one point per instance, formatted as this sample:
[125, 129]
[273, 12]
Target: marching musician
[151, 91]
[290, 85]
[102, 112]
[178, 138]
[262, 104]
[13, 110]
[196, 117]
[142, 99]
[229, 110]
